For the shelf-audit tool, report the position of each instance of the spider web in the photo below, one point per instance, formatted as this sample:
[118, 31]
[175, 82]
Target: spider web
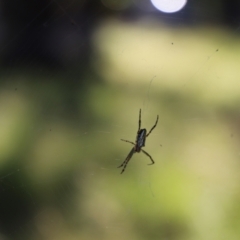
[65, 109]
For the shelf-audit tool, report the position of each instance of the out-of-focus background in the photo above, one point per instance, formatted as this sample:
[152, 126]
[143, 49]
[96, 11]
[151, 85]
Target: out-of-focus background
[73, 76]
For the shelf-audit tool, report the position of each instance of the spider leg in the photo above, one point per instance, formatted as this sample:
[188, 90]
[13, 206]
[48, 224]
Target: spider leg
[129, 156]
[153, 127]
[148, 156]
[139, 120]
[127, 141]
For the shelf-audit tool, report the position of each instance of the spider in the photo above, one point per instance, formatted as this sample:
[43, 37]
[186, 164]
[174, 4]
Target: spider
[139, 143]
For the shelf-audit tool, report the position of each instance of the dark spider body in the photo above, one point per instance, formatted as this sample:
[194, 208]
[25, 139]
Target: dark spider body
[140, 140]
[139, 143]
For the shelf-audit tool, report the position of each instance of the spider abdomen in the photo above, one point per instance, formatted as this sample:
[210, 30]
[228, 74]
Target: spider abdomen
[141, 138]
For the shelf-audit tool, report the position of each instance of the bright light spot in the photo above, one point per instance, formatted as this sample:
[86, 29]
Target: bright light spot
[169, 6]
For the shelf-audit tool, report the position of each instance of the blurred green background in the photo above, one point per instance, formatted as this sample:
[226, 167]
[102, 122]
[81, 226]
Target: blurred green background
[61, 127]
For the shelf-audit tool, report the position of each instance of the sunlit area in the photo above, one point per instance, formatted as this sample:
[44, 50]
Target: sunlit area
[119, 123]
[169, 6]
